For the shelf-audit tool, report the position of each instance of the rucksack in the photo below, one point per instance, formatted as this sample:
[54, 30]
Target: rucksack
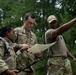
[5, 47]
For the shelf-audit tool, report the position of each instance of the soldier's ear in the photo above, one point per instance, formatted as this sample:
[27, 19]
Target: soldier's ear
[24, 20]
[7, 33]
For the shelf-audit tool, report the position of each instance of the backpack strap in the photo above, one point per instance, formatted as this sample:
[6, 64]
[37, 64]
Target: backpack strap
[5, 47]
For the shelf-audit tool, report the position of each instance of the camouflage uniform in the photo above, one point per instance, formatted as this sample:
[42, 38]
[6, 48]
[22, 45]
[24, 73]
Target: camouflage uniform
[23, 36]
[7, 61]
[7, 54]
[57, 62]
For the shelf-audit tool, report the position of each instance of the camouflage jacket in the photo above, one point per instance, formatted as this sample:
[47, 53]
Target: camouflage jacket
[8, 60]
[23, 36]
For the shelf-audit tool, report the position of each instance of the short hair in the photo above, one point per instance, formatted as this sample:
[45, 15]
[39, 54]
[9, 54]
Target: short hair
[4, 29]
[29, 14]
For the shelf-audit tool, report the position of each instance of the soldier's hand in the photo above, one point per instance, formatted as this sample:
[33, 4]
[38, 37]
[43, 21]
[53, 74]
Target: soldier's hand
[39, 54]
[25, 47]
[10, 72]
[74, 59]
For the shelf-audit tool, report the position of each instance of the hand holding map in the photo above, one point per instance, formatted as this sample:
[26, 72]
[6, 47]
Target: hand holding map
[40, 47]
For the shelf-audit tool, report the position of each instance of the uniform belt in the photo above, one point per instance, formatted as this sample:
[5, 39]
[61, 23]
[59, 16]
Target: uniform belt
[62, 57]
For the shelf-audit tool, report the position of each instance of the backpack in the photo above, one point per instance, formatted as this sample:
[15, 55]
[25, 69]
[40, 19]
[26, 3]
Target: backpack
[5, 47]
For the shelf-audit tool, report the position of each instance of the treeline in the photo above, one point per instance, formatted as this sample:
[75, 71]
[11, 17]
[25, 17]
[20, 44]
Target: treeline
[12, 12]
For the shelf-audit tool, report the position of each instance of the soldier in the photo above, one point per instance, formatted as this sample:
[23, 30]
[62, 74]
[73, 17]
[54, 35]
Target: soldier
[7, 51]
[25, 35]
[57, 62]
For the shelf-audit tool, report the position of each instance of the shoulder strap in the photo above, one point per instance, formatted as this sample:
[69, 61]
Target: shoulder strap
[16, 39]
[5, 47]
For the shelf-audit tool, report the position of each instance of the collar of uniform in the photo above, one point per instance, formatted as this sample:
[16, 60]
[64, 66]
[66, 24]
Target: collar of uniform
[9, 41]
[25, 31]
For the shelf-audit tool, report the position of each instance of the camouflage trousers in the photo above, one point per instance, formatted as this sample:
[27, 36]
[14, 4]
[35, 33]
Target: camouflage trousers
[59, 66]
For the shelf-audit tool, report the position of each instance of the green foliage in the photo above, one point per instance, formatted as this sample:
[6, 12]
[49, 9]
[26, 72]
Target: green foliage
[12, 11]
[64, 19]
[73, 64]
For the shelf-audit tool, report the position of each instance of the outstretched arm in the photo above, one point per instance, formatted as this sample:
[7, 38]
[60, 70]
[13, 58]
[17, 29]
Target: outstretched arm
[63, 28]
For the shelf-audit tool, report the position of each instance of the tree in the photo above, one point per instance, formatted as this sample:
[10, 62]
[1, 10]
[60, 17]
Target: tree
[12, 12]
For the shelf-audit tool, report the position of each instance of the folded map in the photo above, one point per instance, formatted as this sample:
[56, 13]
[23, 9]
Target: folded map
[40, 47]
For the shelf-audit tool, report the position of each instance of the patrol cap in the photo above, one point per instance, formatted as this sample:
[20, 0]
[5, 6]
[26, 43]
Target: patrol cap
[51, 18]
